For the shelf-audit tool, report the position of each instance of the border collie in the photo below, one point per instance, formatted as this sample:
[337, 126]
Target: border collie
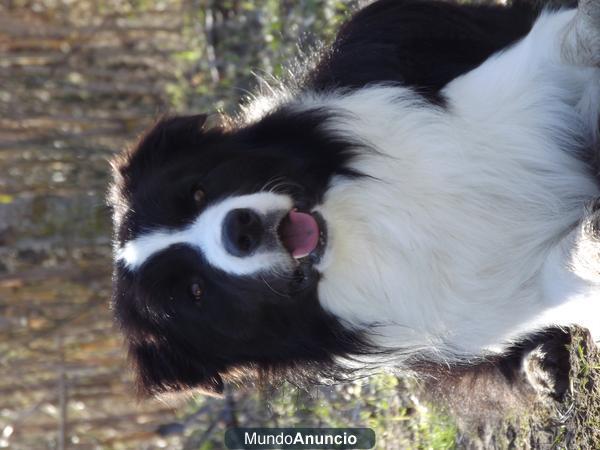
[423, 193]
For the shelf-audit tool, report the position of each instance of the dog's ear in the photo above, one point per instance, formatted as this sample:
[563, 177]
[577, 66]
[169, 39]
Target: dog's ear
[173, 133]
[171, 127]
[168, 137]
[161, 371]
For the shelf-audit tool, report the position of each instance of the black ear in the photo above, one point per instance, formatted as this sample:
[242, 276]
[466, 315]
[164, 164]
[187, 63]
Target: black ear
[173, 133]
[181, 125]
[168, 138]
[162, 370]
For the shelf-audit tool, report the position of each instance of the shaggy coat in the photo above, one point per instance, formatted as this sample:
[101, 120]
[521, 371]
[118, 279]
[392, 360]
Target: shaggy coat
[419, 196]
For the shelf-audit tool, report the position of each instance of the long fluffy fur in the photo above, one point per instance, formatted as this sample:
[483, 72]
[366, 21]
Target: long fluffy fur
[450, 162]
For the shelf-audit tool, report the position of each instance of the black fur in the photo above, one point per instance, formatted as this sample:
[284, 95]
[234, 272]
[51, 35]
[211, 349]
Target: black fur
[273, 326]
[423, 45]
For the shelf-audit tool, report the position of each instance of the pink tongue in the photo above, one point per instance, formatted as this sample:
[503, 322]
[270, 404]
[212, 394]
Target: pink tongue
[299, 233]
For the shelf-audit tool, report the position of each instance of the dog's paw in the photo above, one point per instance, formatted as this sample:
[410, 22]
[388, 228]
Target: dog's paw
[585, 243]
[547, 368]
[591, 220]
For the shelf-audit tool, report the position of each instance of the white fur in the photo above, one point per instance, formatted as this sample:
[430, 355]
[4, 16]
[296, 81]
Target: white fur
[205, 233]
[454, 247]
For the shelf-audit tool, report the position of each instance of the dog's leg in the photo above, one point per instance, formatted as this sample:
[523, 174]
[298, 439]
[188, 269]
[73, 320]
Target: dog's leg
[546, 366]
[572, 274]
[581, 46]
[585, 261]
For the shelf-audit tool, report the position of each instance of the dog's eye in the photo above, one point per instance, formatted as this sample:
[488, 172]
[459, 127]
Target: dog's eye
[196, 290]
[199, 196]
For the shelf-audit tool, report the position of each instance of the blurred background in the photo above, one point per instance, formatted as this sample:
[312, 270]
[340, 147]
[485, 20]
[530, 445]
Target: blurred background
[79, 80]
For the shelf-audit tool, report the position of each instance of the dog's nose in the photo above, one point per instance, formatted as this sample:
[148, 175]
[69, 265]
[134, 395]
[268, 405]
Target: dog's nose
[242, 232]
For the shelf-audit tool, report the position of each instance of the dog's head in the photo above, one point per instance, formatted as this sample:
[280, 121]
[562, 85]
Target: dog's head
[216, 242]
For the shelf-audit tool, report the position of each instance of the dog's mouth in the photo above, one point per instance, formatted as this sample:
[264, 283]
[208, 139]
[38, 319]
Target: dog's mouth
[303, 234]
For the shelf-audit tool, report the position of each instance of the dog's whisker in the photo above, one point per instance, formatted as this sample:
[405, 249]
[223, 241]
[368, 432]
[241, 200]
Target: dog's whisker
[271, 181]
[272, 289]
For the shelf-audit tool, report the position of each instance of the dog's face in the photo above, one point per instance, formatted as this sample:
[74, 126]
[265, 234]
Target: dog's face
[216, 244]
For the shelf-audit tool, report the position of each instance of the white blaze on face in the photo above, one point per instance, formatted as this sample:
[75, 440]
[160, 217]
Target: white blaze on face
[205, 233]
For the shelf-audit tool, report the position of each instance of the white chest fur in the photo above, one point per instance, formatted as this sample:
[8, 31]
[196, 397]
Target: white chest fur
[445, 249]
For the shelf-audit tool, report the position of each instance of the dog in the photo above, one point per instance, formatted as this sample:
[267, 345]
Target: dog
[425, 193]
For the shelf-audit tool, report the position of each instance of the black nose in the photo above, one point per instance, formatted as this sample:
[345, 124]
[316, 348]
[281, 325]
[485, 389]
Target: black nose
[242, 232]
